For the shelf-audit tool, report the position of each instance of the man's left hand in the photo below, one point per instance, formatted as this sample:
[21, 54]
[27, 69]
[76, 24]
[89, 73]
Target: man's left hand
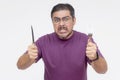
[91, 50]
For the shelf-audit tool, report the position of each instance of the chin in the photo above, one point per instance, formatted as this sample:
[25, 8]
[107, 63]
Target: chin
[63, 36]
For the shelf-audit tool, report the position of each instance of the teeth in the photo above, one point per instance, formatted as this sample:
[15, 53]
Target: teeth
[62, 30]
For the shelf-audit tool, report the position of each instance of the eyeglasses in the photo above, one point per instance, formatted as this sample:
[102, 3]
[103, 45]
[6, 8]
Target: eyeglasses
[57, 20]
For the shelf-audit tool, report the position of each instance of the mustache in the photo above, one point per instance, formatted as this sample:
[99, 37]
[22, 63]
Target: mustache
[62, 28]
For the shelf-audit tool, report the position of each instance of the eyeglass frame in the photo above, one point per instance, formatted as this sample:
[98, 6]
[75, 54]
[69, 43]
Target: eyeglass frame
[57, 20]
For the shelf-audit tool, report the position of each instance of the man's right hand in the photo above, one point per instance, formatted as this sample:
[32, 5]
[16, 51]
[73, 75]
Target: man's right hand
[32, 51]
[28, 59]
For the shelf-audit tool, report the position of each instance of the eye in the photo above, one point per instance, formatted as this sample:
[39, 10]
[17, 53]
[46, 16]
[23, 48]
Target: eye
[65, 19]
[56, 20]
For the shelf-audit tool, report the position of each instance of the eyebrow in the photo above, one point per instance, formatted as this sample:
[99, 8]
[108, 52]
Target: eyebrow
[62, 17]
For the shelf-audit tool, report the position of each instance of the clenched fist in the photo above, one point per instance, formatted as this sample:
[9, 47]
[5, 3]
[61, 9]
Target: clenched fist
[91, 50]
[32, 51]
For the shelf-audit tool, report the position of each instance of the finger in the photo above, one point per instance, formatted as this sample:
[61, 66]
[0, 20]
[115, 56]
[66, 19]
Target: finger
[33, 55]
[93, 47]
[91, 57]
[89, 40]
[89, 49]
[89, 44]
[90, 52]
[34, 51]
[32, 47]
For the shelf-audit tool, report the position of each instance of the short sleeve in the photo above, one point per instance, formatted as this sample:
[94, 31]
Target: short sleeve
[38, 43]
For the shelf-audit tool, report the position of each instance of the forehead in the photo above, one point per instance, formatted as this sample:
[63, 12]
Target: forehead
[61, 13]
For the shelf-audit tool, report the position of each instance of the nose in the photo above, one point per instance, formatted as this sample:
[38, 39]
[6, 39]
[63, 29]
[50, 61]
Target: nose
[61, 22]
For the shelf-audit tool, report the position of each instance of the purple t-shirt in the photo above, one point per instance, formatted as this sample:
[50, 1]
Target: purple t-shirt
[64, 59]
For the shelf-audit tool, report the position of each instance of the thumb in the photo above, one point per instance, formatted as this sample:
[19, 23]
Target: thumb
[89, 40]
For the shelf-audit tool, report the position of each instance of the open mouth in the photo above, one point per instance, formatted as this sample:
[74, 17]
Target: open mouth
[62, 31]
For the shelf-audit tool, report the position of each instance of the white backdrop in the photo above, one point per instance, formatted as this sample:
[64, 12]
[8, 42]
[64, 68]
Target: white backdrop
[16, 17]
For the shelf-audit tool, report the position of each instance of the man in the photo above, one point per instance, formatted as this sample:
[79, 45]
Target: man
[65, 52]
